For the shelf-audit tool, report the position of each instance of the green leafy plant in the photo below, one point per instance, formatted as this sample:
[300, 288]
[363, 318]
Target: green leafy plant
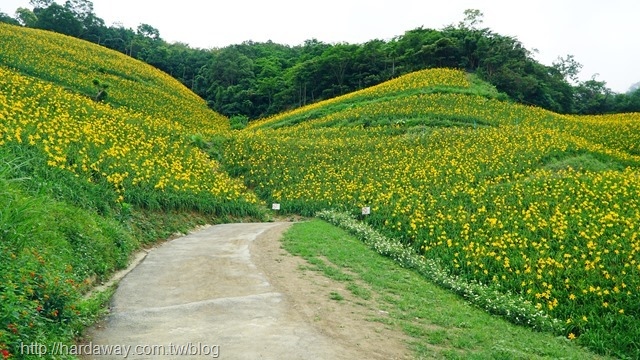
[101, 90]
[239, 122]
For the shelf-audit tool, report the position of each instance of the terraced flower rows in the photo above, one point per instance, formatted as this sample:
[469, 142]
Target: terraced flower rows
[139, 141]
[134, 152]
[445, 79]
[530, 202]
[75, 64]
[84, 182]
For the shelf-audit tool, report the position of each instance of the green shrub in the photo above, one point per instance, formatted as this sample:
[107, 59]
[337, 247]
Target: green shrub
[239, 122]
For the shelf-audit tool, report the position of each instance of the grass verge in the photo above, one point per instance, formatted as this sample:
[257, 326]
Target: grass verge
[441, 324]
[54, 248]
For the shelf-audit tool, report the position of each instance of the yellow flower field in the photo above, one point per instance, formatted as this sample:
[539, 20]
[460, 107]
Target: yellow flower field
[74, 64]
[530, 202]
[409, 82]
[94, 141]
[138, 141]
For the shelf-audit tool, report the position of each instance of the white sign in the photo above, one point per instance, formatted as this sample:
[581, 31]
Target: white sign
[275, 206]
[366, 210]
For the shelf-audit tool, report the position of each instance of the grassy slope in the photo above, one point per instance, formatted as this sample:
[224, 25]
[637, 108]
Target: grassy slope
[83, 184]
[335, 112]
[73, 64]
[524, 200]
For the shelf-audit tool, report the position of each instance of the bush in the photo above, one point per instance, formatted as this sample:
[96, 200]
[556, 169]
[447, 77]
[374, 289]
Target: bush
[239, 122]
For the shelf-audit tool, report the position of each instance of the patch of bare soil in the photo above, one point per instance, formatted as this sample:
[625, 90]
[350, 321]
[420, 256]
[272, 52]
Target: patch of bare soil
[347, 321]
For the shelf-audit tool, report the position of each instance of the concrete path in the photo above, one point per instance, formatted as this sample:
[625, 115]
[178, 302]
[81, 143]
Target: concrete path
[201, 297]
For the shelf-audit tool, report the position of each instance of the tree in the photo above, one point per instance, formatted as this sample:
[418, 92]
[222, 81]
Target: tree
[568, 67]
[335, 62]
[629, 102]
[269, 81]
[472, 18]
[26, 17]
[232, 80]
[148, 31]
[4, 18]
[593, 97]
[445, 52]
[59, 19]
[370, 65]
[313, 48]
[230, 67]
[81, 8]
[93, 26]
[101, 90]
[119, 38]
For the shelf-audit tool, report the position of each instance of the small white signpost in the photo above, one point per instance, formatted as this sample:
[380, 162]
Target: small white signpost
[366, 210]
[275, 206]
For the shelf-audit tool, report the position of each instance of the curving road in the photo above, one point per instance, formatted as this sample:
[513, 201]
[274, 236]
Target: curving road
[202, 295]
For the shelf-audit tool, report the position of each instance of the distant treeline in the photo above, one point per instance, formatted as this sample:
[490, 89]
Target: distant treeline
[260, 79]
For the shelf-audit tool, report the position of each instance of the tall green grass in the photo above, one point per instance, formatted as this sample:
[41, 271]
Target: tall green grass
[51, 253]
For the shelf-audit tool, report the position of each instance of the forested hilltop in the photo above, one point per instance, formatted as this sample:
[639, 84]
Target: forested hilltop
[260, 79]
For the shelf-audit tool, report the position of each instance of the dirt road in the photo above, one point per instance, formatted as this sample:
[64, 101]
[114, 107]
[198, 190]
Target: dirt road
[230, 292]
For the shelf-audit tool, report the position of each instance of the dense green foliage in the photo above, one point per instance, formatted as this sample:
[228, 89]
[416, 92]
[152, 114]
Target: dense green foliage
[52, 252]
[261, 79]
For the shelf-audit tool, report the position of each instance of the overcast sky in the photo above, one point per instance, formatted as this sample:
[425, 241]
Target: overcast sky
[602, 35]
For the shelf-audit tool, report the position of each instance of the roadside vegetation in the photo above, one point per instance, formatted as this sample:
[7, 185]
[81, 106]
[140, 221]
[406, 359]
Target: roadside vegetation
[439, 323]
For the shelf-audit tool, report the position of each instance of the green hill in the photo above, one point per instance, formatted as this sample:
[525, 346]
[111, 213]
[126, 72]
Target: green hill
[138, 141]
[99, 152]
[522, 200]
[85, 178]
